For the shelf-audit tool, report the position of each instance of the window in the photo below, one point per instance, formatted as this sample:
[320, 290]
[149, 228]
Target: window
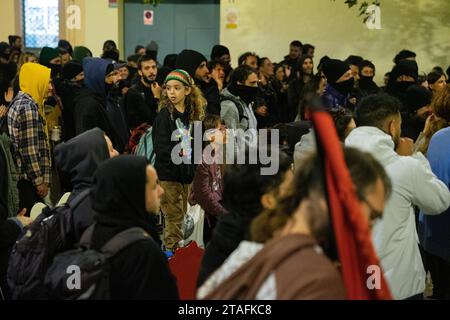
[41, 23]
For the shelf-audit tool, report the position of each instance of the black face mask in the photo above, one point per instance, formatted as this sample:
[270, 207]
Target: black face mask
[132, 73]
[345, 87]
[246, 93]
[56, 70]
[365, 82]
[402, 86]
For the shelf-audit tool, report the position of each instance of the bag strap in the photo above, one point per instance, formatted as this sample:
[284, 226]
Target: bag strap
[122, 240]
[86, 238]
[73, 203]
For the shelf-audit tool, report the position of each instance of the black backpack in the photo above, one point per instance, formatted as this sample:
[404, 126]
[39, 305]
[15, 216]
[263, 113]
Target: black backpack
[238, 105]
[84, 273]
[51, 233]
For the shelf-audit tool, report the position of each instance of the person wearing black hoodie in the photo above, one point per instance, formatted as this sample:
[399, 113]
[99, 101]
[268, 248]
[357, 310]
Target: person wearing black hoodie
[243, 206]
[366, 84]
[126, 194]
[417, 109]
[91, 105]
[223, 53]
[340, 83]
[77, 160]
[404, 74]
[196, 65]
[68, 89]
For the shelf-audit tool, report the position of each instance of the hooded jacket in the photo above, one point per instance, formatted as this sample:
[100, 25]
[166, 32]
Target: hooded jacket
[27, 127]
[78, 159]
[394, 236]
[91, 103]
[139, 271]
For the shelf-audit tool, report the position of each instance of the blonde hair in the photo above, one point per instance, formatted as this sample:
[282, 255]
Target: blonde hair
[195, 104]
[440, 105]
[24, 59]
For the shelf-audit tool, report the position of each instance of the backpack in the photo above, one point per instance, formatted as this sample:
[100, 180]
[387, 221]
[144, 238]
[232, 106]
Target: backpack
[145, 146]
[136, 135]
[238, 105]
[84, 273]
[51, 233]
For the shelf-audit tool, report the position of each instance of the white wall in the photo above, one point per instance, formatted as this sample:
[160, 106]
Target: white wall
[268, 26]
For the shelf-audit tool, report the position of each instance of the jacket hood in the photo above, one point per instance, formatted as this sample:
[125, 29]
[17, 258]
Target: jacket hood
[95, 71]
[34, 80]
[80, 157]
[374, 141]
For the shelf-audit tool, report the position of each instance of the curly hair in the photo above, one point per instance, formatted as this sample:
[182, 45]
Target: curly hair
[195, 104]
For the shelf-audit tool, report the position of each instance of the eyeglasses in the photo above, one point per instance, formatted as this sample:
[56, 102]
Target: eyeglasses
[374, 214]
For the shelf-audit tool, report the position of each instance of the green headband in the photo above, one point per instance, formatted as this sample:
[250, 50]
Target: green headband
[180, 75]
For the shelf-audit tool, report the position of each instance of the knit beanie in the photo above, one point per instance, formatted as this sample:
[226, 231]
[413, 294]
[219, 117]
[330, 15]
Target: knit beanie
[47, 55]
[417, 97]
[181, 76]
[71, 70]
[334, 69]
[406, 68]
[189, 60]
[218, 51]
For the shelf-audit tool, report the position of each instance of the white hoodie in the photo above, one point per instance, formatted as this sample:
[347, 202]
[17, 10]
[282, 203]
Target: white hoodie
[395, 236]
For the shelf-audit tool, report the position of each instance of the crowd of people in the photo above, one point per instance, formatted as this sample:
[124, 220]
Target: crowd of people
[105, 132]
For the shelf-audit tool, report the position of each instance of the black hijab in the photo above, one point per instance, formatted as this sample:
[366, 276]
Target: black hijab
[80, 157]
[118, 197]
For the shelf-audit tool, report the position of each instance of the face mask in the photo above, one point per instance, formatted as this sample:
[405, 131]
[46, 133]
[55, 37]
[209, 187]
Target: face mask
[133, 72]
[365, 82]
[345, 87]
[55, 70]
[247, 94]
[402, 86]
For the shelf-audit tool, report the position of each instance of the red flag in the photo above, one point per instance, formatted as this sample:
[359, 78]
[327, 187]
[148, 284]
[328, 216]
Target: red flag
[351, 230]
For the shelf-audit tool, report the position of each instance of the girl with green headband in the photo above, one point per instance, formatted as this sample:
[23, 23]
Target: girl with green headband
[181, 104]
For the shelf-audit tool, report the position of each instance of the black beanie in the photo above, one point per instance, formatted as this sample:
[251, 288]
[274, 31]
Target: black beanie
[334, 69]
[218, 51]
[189, 60]
[406, 68]
[404, 54]
[417, 96]
[71, 70]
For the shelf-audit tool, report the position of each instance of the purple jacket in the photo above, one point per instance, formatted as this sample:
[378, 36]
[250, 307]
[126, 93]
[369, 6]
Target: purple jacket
[333, 98]
[207, 189]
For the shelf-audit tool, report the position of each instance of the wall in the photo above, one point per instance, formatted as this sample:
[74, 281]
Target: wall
[101, 24]
[268, 26]
[9, 20]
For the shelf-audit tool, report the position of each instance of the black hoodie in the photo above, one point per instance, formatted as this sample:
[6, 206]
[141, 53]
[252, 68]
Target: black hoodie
[91, 103]
[140, 270]
[78, 159]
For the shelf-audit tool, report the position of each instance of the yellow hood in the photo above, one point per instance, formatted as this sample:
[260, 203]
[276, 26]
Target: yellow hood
[34, 79]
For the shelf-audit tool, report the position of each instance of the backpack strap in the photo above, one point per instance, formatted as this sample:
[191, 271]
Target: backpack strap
[238, 105]
[73, 203]
[86, 238]
[122, 240]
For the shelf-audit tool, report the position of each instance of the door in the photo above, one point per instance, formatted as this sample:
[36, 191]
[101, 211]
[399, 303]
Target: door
[177, 25]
